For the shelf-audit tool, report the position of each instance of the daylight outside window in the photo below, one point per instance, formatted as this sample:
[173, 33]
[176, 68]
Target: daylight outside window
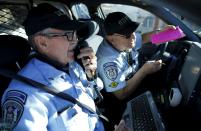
[80, 11]
[148, 21]
[190, 24]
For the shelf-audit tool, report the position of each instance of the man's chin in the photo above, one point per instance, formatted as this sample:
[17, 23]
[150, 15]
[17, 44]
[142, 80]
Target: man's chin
[133, 45]
[71, 60]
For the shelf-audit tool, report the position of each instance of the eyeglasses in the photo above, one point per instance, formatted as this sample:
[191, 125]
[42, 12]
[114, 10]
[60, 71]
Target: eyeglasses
[70, 35]
[127, 36]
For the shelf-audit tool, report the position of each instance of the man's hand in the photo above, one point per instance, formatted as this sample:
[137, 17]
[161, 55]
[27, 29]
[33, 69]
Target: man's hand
[121, 127]
[89, 61]
[152, 66]
[168, 27]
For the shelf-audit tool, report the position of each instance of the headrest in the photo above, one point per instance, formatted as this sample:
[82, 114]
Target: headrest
[13, 49]
[91, 28]
[94, 41]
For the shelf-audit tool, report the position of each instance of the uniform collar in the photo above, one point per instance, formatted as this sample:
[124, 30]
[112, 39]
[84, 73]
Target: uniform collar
[111, 47]
[50, 62]
[49, 71]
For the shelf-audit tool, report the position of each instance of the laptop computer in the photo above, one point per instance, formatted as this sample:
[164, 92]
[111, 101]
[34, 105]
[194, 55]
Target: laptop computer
[141, 114]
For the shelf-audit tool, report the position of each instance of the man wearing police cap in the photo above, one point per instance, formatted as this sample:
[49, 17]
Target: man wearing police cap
[53, 38]
[118, 63]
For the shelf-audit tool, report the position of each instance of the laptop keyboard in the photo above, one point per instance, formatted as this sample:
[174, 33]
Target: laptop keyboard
[141, 114]
[144, 120]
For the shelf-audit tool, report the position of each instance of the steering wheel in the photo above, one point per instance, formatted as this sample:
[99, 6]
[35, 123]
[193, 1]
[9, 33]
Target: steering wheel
[159, 52]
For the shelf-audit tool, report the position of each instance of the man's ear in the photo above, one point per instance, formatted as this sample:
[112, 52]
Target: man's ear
[41, 43]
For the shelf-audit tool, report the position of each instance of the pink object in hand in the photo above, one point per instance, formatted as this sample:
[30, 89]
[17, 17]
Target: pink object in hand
[167, 35]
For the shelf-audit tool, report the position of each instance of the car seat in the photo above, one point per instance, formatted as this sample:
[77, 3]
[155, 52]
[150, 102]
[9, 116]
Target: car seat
[100, 22]
[14, 51]
[89, 34]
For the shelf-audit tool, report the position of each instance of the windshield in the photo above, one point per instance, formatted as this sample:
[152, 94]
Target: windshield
[189, 23]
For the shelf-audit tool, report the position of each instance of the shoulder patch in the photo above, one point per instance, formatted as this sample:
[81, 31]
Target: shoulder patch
[12, 112]
[13, 107]
[16, 95]
[110, 70]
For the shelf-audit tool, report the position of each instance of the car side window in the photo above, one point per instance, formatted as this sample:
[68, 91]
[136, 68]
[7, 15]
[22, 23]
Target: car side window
[148, 21]
[80, 11]
[11, 19]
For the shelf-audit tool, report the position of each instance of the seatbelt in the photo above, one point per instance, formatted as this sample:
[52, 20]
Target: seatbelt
[53, 91]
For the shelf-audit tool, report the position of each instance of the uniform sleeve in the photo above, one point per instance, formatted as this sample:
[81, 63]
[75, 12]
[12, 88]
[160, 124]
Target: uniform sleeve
[111, 73]
[23, 112]
[138, 40]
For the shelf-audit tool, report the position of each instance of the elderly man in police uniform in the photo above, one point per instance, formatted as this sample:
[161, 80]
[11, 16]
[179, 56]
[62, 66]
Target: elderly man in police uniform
[118, 61]
[53, 36]
[117, 58]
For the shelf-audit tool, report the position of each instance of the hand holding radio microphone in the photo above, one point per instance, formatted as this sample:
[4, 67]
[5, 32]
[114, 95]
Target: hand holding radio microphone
[89, 63]
[87, 59]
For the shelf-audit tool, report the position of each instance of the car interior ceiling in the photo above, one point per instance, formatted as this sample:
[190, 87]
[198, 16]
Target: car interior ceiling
[193, 8]
[186, 8]
[178, 52]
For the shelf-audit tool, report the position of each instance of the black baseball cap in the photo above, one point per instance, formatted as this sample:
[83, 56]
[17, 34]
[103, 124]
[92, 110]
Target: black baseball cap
[47, 16]
[118, 22]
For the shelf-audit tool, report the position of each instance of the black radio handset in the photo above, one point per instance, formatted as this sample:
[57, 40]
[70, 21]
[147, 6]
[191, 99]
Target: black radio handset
[82, 44]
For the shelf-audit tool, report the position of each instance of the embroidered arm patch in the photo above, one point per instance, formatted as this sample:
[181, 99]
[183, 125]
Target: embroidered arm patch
[13, 107]
[111, 70]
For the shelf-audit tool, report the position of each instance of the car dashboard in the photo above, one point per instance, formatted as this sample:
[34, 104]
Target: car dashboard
[184, 74]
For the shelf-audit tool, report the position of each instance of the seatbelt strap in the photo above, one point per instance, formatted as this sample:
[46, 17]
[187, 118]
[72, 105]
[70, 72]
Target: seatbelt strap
[51, 90]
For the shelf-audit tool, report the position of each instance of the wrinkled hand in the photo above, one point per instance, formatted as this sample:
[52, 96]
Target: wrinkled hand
[168, 27]
[152, 66]
[89, 61]
[121, 127]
